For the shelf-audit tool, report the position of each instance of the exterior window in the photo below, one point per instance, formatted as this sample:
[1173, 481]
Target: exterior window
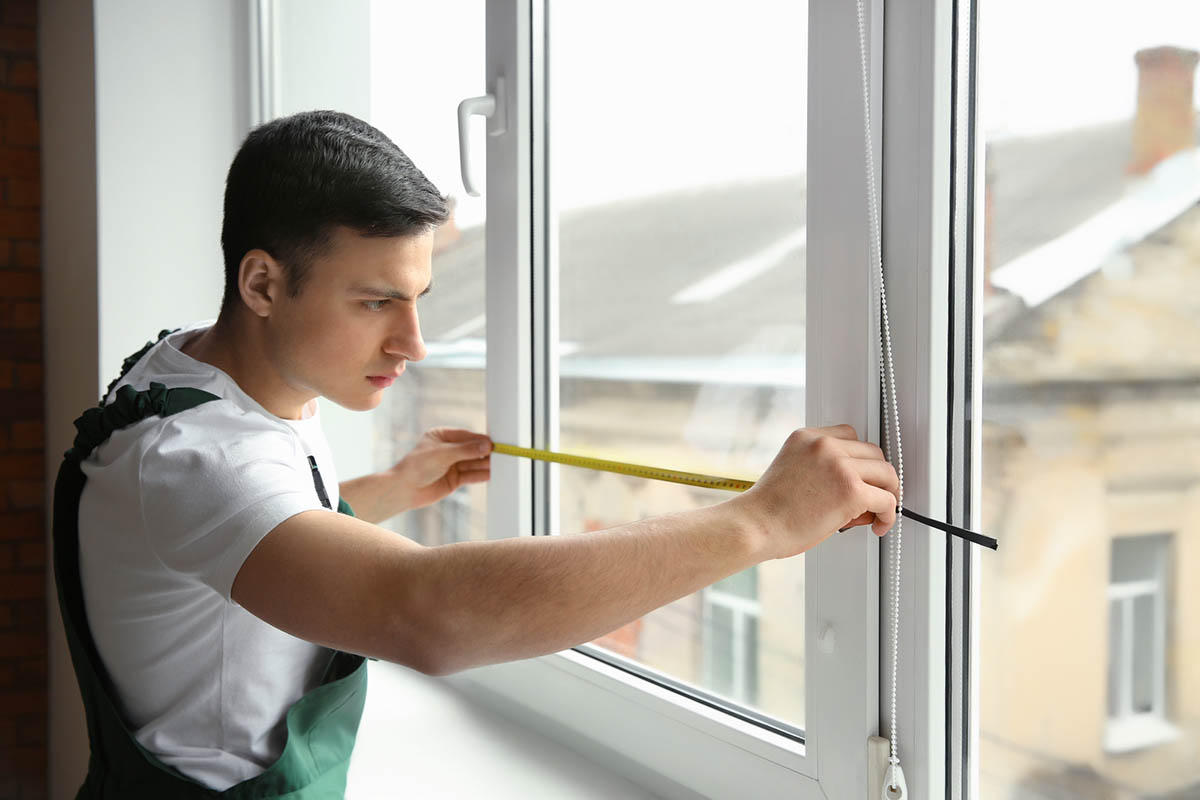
[1137, 636]
[1090, 274]
[681, 262]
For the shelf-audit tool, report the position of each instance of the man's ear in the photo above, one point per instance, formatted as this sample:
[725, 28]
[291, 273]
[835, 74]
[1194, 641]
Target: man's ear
[261, 282]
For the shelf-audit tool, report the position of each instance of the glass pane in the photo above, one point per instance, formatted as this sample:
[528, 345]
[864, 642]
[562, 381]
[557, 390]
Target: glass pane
[416, 107]
[1144, 657]
[1090, 324]
[677, 183]
[1138, 558]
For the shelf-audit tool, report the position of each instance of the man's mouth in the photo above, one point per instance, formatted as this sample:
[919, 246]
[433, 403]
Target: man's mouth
[384, 381]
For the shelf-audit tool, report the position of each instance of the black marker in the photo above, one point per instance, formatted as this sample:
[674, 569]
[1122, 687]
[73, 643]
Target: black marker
[953, 530]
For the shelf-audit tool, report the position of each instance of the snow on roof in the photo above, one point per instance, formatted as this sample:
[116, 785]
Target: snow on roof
[1149, 203]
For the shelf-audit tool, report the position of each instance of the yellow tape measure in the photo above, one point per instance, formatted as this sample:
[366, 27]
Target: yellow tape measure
[621, 468]
[705, 481]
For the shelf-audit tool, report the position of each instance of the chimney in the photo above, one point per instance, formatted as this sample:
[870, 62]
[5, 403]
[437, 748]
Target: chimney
[1165, 122]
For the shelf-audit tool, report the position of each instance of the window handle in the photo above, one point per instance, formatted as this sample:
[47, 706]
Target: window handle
[491, 106]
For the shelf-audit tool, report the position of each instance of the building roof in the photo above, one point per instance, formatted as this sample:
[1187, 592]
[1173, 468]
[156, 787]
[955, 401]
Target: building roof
[660, 287]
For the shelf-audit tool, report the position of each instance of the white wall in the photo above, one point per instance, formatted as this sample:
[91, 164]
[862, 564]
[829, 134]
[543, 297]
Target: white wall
[324, 62]
[171, 109]
[143, 106]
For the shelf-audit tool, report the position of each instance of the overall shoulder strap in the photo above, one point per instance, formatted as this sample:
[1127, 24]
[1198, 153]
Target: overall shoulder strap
[321, 726]
[96, 424]
[131, 361]
[111, 743]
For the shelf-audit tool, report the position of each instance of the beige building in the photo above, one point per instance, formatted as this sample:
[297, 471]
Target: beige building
[1091, 618]
[1091, 621]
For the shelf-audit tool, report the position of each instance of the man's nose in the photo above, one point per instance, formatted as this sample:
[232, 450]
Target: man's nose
[405, 339]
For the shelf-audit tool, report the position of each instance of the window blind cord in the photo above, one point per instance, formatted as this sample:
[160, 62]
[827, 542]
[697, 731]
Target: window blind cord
[894, 786]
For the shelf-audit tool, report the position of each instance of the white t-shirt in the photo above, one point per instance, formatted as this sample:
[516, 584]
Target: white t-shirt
[171, 508]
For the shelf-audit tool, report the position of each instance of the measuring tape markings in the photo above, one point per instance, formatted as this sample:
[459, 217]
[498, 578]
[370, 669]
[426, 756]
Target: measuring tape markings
[701, 480]
[622, 468]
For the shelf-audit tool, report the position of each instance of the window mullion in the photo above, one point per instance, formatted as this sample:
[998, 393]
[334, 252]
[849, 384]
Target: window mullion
[544, 305]
[1160, 651]
[842, 633]
[509, 281]
[1126, 657]
[917, 256]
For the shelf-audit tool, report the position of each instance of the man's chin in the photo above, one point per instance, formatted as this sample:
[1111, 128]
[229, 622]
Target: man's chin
[358, 402]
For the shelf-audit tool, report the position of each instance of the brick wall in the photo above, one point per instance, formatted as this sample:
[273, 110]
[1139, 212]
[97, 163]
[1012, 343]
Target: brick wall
[22, 456]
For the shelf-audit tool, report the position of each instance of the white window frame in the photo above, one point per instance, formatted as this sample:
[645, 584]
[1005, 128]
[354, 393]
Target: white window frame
[925, 227]
[680, 747]
[740, 610]
[673, 744]
[1127, 730]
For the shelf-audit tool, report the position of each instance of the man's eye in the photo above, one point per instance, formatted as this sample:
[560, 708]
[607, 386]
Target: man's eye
[374, 305]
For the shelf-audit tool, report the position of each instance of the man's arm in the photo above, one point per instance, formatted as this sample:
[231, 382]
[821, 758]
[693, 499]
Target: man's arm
[345, 583]
[351, 585]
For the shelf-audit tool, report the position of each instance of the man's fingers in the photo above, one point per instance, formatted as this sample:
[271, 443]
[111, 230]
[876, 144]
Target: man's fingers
[474, 476]
[474, 465]
[457, 435]
[849, 442]
[862, 519]
[877, 473]
[837, 432]
[857, 449]
[882, 504]
[477, 447]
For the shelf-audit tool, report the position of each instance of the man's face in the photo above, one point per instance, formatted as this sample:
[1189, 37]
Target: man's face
[354, 324]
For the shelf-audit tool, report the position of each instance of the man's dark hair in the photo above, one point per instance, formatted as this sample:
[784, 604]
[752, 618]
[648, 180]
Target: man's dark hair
[295, 179]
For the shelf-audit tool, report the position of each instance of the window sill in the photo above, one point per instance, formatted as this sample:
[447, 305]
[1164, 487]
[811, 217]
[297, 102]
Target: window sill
[1137, 733]
[669, 744]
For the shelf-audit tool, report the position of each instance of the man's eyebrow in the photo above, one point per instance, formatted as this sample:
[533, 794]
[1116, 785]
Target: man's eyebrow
[391, 294]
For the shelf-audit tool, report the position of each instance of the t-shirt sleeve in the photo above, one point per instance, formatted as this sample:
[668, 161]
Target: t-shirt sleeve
[214, 482]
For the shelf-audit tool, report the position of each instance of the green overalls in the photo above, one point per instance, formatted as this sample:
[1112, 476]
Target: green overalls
[321, 725]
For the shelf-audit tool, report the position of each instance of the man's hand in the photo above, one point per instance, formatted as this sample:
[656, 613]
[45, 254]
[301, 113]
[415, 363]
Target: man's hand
[443, 460]
[822, 480]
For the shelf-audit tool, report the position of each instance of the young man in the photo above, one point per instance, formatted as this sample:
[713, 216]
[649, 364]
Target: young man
[214, 575]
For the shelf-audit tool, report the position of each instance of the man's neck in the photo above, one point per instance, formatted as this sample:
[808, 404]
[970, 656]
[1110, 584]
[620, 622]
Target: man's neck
[233, 347]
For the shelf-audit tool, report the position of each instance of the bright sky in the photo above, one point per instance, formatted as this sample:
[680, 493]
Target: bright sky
[653, 95]
[1044, 66]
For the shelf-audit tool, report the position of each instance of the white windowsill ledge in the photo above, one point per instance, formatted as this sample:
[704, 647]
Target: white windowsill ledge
[665, 742]
[1137, 733]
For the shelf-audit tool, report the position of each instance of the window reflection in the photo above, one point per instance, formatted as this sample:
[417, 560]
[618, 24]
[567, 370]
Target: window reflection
[677, 180]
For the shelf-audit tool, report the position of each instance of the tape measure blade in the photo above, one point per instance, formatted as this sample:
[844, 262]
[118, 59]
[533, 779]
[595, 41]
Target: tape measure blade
[623, 468]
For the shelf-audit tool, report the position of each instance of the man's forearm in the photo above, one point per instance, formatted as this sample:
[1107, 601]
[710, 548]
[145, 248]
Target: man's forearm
[373, 497]
[486, 602]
